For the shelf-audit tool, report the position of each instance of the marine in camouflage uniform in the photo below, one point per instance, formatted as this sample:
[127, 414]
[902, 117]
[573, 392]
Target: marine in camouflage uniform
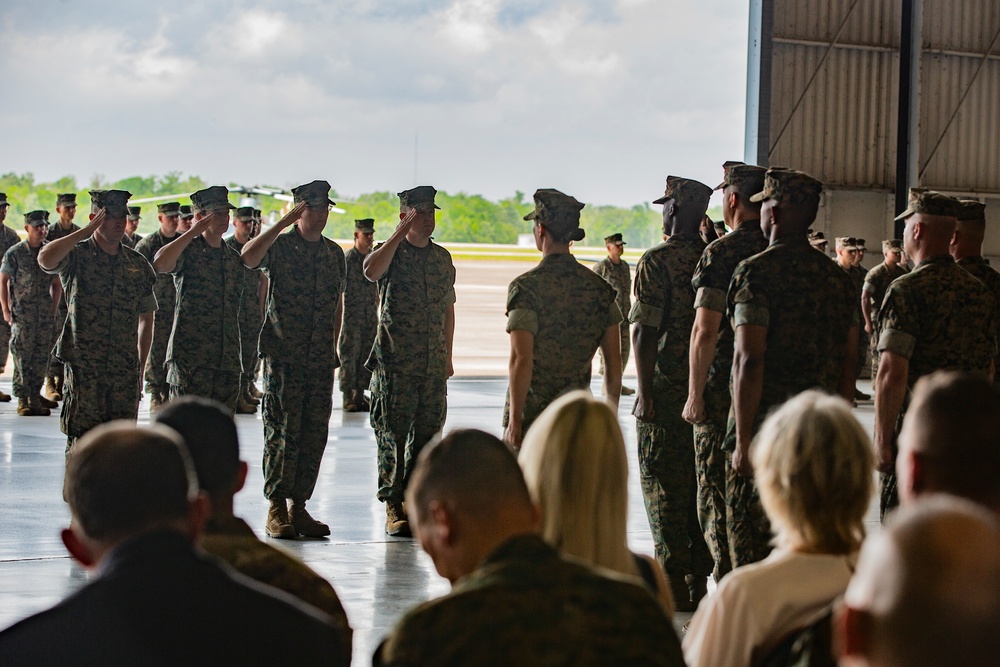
[155, 372]
[619, 274]
[936, 317]
[108, 295]
[873, 293]
[512, 610]
[66, 208]
[298, 345]
[711, 355]
[203, 354]
[411, 358]
[251, 317]
[567, 311]
[967, 249]
[800, 314]
[858, 273]
[130, 238]
[8, 239]
[360, 321]
[662, 316]
[28, 305]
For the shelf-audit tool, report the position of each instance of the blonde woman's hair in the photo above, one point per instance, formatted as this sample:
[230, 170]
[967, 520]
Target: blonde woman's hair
[814, 465]
[574, 462]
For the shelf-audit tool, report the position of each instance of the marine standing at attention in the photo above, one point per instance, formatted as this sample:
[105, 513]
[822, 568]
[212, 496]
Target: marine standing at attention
[360, 321]
[662, 319]
[8, 239]
[251, 309]
[877, 281]
[298, 344]
[411, 358]
[66, 208]
[617, 272]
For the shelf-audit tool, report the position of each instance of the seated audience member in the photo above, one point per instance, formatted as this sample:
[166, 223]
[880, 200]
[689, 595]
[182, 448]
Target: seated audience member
[136, 513]
[950, 440]
[209, 433]
[927, 590]
[514, 600]
[576, 468]
[813, 465]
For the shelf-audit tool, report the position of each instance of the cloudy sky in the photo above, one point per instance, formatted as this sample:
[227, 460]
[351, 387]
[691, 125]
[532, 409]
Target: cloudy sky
[599, 98]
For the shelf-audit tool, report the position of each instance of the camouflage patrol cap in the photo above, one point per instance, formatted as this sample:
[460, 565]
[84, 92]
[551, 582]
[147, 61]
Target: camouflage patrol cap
[414, 197]
[257, 214]
[36, 218]
[781, 184]
[859, 244]
[891, 245]
[614, 238]
[738, 173]
[971, 210]
[66, 199]
[134, 212]
[365, 225]
[930, 202]
[214, 198]
[558, 212]
[315, 194]
[720, 227]
[169, 208]
[845, 243]
[185, 211]
[3, 199]
[686, 191]
[114, 202]
[244, 213]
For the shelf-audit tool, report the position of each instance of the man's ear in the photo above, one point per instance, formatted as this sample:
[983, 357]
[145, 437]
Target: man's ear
[442, 522]
[850, 635]
[78, 548]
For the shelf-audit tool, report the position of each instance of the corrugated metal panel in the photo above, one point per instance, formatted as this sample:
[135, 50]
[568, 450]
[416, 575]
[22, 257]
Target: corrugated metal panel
[842, 130]
[959, 146]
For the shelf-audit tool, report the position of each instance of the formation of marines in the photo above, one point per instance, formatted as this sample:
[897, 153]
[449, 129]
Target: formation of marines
[722, 333]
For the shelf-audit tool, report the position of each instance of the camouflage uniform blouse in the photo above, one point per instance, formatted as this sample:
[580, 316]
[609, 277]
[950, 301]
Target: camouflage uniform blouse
[8, 239]
[939, 317]
[567, 308]
[877, 282]
[525, 605]
[620, 277]
[166, 293]
[711, 283]
[414, 295]
[206, 330]
[31, 301]
[807, 304]
[105, 294]
[664, 299]
[306, 281]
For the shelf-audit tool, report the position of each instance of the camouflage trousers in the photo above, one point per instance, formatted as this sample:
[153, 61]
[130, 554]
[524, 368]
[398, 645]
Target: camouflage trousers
[669, 490]
[155, 373]
[888, 496]
[406, 412]
[55, 369]
[354, 351]
[864, 354]
[747, 525]
[710, 468]
[249, 337]
[296, 411]
[220, 386]
[29, 345]
[5, 340]
[93, 397]
[623, 329]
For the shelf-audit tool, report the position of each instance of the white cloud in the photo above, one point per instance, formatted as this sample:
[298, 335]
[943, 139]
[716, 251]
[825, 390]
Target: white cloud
[471, 24]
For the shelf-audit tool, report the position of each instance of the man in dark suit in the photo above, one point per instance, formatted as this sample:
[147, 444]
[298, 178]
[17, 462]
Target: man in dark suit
[155, 600]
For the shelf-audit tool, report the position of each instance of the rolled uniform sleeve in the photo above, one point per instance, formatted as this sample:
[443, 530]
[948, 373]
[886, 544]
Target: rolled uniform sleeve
[522, 314]
[710, 298]
[897, 322]
[650, 295]
[749, 304]
[710, 282]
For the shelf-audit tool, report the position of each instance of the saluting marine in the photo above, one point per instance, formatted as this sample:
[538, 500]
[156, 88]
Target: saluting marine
[360, 321]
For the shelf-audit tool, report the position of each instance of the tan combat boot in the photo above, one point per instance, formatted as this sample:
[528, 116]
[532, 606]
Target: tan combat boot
[22, 407]
[278, 524]
[245, 408]
[349, 404]
[46, 403]
[255, 392]
[51, 392]
[396, 523]
[37, 408]
[304, 524]
[249, 397]
[155, 402]
[4, 397]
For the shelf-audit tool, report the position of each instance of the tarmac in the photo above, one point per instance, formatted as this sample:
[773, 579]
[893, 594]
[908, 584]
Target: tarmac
[377, 577]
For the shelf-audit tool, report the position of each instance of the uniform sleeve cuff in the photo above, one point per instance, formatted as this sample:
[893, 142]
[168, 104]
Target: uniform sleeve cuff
[710, 298]
[868, 287]
[521, 319]
[751, 313]
[646, 315]
[898, 342]
[147, 304]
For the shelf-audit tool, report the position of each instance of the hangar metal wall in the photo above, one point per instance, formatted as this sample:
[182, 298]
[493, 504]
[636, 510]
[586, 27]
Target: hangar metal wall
[876, 96]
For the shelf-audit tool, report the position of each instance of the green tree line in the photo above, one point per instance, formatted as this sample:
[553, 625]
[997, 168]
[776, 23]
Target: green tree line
[463, 218]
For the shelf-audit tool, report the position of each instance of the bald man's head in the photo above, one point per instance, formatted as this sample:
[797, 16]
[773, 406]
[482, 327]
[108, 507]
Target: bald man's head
[926, 590]
[950, 440]
[927, 235]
